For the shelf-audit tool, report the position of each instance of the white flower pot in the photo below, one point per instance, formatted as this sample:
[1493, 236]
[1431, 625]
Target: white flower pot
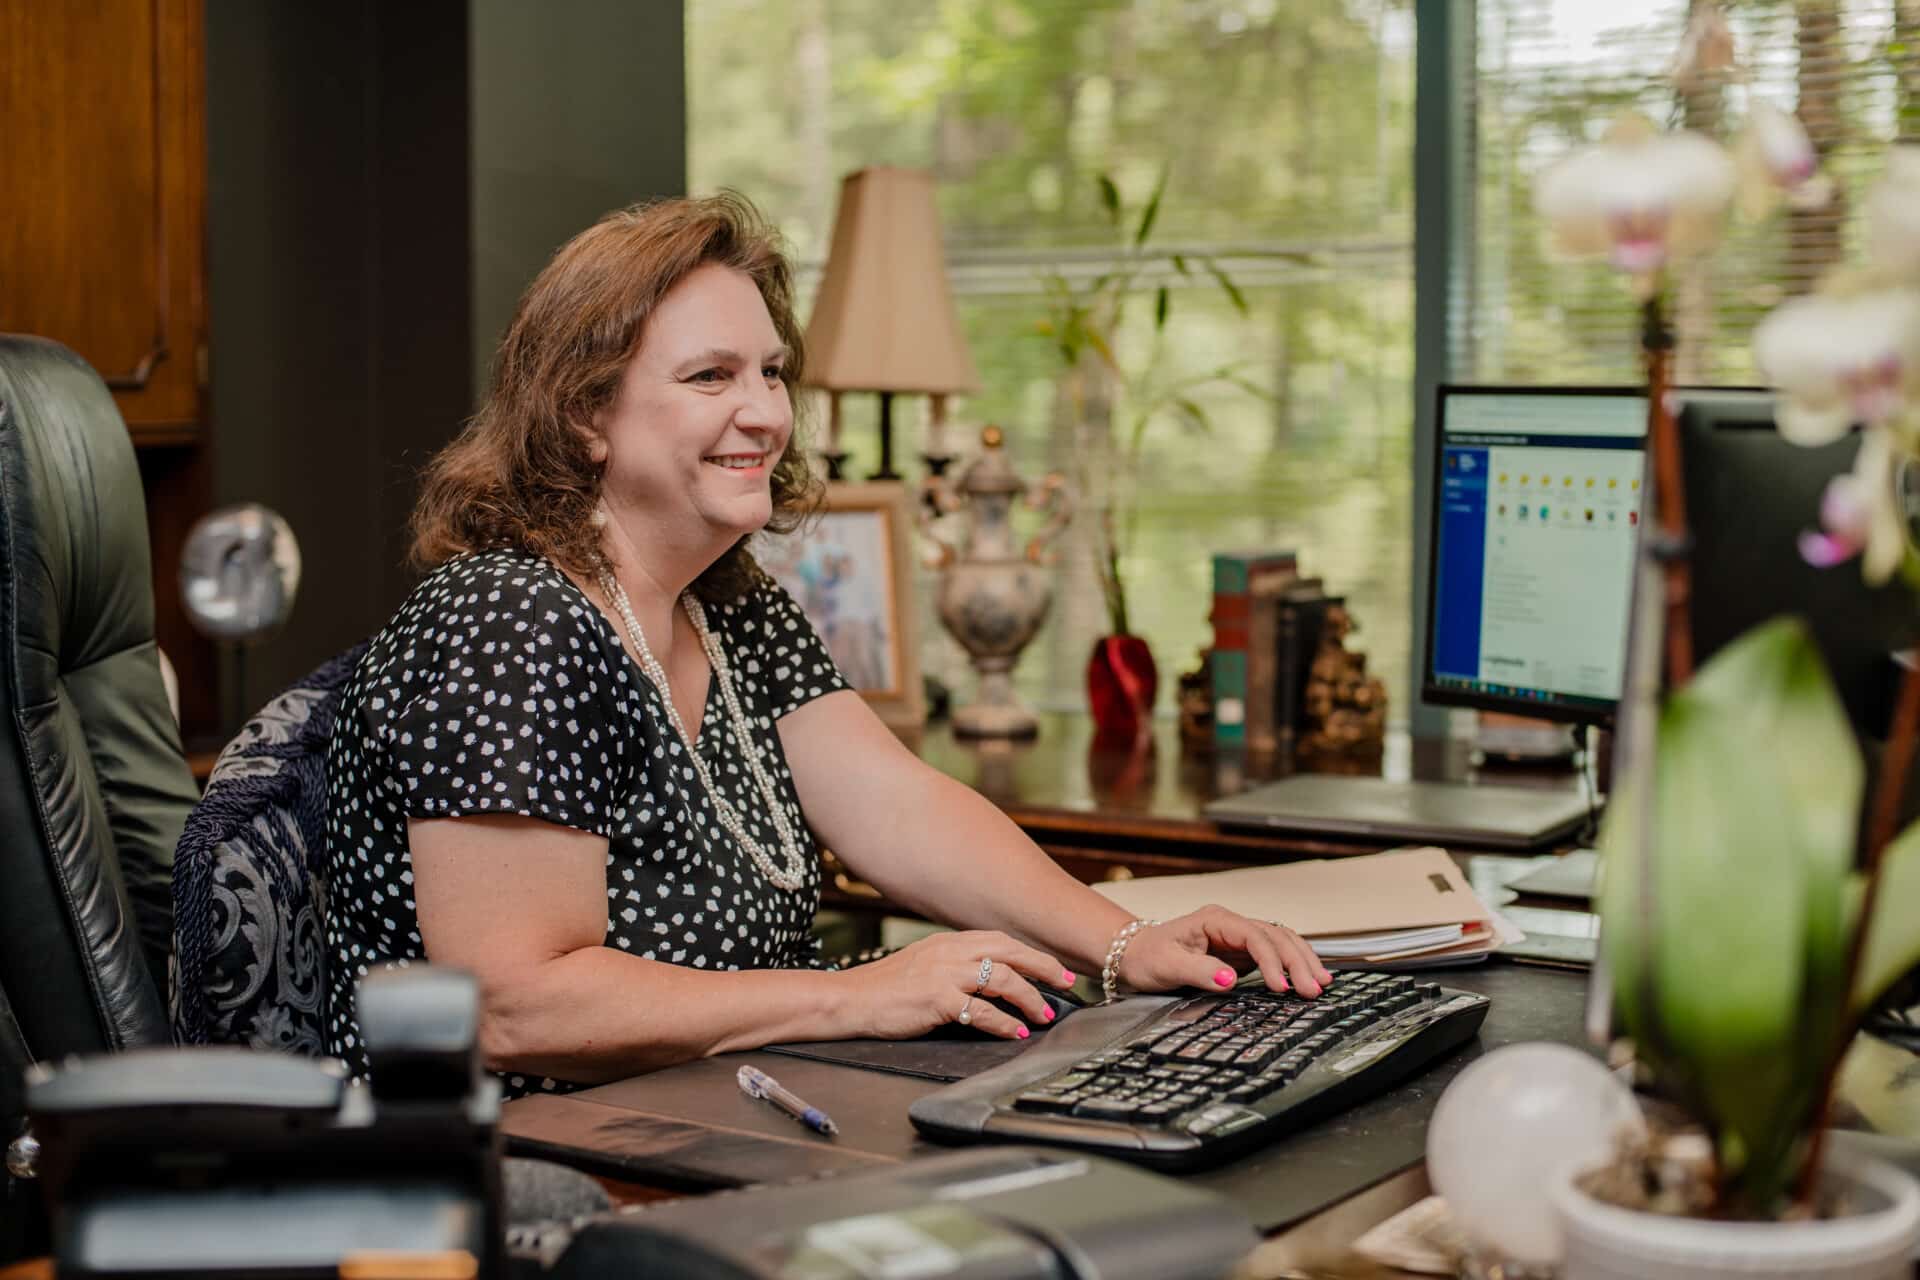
[1875, 1242]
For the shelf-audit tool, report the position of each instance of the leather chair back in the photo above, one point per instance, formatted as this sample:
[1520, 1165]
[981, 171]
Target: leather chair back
[94, 787]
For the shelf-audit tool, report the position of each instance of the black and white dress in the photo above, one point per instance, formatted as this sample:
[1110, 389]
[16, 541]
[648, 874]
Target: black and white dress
[500, 689]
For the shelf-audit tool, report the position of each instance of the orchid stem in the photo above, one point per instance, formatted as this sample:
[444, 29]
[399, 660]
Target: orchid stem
[1889, 786]
[1670, 496]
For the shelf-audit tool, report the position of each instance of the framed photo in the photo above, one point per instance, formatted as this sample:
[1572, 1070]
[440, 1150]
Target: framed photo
[851, 571]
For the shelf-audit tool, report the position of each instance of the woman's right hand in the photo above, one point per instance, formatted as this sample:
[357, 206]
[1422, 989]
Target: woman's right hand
[927, 984]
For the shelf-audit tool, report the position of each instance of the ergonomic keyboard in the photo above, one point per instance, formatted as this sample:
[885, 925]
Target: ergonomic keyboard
[1185, 1082]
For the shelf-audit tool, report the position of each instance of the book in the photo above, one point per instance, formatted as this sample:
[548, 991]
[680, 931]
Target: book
[1264, 661]
[1299, 615]
[1235, 575]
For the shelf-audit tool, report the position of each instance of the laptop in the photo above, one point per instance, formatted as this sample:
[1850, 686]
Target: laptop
[1468, 816]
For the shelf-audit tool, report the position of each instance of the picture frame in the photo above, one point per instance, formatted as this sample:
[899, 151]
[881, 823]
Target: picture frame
[850, 568]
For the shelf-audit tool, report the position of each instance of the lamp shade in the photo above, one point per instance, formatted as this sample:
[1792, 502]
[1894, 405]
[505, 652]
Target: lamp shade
[883, 319]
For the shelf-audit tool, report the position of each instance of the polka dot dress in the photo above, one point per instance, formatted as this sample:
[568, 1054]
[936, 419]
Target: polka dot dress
[500, 689]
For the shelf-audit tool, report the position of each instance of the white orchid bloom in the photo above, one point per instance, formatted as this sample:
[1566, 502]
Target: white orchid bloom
[1639, 196]
[1851, 354]
[1773, 155]
[1874, 471]
[1893, 216]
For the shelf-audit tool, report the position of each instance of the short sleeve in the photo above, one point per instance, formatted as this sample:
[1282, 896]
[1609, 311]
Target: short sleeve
[502, 699]
[794, 665]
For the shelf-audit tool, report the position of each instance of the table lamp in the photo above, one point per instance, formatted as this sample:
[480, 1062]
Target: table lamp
[883, 319]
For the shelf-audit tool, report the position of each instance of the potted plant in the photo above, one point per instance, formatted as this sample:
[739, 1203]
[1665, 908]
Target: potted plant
[1112, 404]
[1748, 924]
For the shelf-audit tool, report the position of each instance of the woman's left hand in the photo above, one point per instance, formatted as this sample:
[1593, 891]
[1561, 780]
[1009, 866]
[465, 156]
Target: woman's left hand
[1210, 948]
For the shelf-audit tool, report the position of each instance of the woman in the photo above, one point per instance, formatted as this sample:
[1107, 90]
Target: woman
[589, 758]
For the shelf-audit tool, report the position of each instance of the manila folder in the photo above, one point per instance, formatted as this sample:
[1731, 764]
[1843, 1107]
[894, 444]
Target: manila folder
[1399, 889]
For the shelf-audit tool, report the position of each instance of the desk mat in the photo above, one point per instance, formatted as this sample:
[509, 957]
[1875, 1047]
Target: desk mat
[936, 1057]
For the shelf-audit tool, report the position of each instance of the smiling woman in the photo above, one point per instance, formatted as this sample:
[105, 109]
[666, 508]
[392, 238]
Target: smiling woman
[590, 757]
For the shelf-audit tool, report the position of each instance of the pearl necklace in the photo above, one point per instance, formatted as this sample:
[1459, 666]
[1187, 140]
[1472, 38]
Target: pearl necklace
[790, 875]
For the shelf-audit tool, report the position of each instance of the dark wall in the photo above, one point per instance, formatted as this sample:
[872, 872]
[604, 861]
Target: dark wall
[579, 108]
[383, 180]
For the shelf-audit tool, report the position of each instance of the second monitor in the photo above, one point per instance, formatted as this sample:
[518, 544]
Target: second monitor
[1535, 525]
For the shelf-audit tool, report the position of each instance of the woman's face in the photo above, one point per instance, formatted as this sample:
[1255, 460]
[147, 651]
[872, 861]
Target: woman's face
[701, 417]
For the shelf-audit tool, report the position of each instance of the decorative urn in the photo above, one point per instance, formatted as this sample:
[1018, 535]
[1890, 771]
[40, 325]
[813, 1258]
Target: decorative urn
[993, 595]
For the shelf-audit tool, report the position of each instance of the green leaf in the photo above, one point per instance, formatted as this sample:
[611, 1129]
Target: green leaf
[1893, 934]
[1160, 302]
[1109, 198]
[1192, 414]
[1180, 264]
[1098, 342]
[1752, 850]
[1231, 289]
[1151, 212]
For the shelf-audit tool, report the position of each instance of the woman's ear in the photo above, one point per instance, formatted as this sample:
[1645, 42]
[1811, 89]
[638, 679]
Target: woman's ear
[595, 437]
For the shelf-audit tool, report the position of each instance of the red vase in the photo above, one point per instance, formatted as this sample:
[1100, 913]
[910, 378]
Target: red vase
[1121, 683]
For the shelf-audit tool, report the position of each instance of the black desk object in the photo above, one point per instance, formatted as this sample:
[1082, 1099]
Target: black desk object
[1004, 1213]
[689, 1128]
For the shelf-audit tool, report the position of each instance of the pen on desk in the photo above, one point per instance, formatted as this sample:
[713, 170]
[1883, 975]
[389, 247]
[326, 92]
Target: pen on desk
[758, 1084]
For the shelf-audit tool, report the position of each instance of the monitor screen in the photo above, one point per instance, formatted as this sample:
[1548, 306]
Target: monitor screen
[1750, 494]
[1537, 513]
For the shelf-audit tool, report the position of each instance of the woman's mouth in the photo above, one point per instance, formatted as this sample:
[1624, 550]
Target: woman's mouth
[737, 461]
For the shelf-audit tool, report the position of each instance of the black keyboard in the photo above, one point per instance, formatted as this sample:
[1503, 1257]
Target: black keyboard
[1186, 1082]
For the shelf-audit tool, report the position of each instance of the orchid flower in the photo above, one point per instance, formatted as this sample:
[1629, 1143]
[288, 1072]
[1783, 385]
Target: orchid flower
[1859, 513]
[1893, 217]
[1849, 353]
[1774, 155]
[1639, 196]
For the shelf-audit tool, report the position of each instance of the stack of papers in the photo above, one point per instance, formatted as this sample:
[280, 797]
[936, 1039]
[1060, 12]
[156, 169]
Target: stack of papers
[1403, 909]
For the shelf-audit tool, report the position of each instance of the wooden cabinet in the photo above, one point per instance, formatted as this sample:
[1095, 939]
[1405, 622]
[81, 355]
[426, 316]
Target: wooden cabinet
[103, 243]
[102, 141]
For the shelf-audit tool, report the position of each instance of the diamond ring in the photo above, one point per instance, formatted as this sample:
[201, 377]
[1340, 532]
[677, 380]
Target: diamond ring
[986, 973]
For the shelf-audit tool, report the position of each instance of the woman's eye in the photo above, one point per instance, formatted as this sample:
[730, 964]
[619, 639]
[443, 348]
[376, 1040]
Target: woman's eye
[708, 376]
[772, 372]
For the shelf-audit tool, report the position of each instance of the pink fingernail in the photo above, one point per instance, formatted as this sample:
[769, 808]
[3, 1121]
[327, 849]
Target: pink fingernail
[1066, 978]
[1283, 985]
[1224, 978]
[1046, 1014]
[1023, 1033]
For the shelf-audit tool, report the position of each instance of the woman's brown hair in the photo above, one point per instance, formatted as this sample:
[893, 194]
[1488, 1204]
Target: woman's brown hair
[520, 473]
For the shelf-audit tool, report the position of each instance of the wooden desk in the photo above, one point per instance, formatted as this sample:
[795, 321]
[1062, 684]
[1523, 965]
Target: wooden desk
[1107, 814]
[689, 1128]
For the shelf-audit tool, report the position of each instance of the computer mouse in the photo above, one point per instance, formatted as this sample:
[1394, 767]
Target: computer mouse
[1063, 1003]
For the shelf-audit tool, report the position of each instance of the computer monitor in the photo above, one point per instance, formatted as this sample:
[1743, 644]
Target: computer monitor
[1750, 494]
[1536, 514]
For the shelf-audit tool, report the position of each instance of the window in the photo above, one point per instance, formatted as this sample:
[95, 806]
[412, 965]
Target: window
[1551, 73]
[1285, 130]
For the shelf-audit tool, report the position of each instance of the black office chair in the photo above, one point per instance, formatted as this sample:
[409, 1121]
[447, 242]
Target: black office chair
[94, 787]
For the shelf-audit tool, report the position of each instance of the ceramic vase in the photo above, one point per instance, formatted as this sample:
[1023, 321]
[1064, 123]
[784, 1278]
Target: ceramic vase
[993, 595]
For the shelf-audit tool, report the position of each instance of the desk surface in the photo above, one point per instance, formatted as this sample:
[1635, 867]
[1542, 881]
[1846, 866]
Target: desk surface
[690, 1128]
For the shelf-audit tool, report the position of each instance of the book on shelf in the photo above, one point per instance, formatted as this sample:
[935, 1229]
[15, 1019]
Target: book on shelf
[1237, 575]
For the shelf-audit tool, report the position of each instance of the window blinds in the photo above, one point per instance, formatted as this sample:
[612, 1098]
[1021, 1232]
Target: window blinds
[1552, 73]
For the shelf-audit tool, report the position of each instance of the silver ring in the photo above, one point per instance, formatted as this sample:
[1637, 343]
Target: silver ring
[986, 974]
[966, 1012]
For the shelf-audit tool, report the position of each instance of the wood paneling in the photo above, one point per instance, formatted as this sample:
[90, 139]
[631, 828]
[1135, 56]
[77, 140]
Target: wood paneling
[103, 150]
[103, 247]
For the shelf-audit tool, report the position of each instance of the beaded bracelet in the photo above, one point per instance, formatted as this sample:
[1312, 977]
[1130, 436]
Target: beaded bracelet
[1110, 971]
